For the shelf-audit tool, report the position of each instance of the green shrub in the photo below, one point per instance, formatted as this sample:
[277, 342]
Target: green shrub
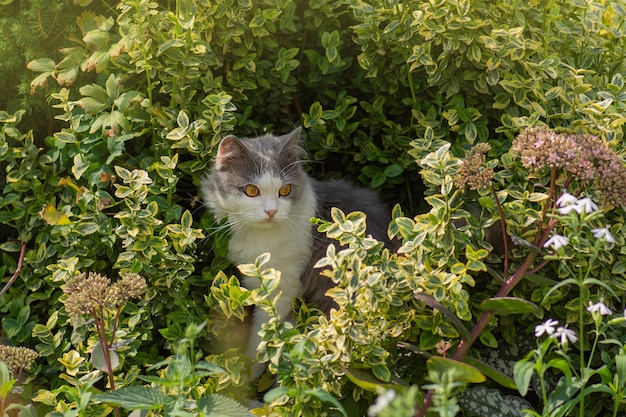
[390, 93]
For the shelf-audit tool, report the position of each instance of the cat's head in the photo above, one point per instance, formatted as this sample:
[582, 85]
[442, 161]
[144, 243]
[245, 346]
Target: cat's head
[256, 182]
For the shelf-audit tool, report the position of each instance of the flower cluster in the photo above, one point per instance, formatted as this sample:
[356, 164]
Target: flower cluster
[586, 158]
[473, 171]
[17, 358]
[562, 332]
[88, 292]
[568, 203]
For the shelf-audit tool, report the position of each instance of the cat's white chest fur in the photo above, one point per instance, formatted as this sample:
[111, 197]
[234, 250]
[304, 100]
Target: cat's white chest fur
[286, 235]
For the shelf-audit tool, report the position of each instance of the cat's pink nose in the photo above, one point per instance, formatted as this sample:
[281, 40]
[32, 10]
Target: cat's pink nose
[271, 213]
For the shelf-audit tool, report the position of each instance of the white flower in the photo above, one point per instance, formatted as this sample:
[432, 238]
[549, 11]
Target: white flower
[599, 307]
[565, 335]
[567, 203]
[567, 209]
[547, 327]
[566, 200]
[381, 403]
[556, 242]
[603, 232]
[587, 205]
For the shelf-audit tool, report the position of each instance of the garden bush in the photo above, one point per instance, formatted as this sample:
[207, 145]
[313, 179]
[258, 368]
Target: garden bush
[470, 117]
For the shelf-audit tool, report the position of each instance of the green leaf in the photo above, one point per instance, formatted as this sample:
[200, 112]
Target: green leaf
[462, 372]
[458, 325]
[96, 92]
[80, 165]
[134, 398]
[216, 405]
[41, 65]
[86, 228]
[491, 372]
[324, 396]
[522, 373]
[620, 364]
[51, 216]
[393, 171]
[99, 361]
[366, 379]
[112, 86]
[382, 372]
[508, 305]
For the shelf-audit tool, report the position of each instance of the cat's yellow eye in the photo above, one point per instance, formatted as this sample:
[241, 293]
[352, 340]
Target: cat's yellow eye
[285, 190]
[251, 190]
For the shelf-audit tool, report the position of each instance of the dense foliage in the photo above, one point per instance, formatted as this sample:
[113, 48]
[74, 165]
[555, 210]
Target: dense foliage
[469, 116]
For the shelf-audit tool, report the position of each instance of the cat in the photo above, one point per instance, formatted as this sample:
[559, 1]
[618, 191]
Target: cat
[259, 188]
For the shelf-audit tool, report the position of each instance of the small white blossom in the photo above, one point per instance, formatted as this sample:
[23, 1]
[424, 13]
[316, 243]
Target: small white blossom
[587, 205]
[381, 403]
[603, 232]
[565, 335]
[567, 209]
[599, 307]
[556, 242]
[547, 327]
[566, 200]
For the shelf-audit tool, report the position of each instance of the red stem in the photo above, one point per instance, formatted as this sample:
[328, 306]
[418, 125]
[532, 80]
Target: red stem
[481, 324]
[505, 236]
[20, 262]
[505, 289]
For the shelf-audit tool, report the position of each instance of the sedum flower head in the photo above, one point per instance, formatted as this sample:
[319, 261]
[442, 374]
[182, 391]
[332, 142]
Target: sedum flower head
[131, 285]
[17, 358]
[587, 158]
[473, 171]
[89, 292]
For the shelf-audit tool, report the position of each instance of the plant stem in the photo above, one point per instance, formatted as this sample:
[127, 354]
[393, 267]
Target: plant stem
[480, 325]
[20, 262]
[581, 329]
[104, 345]
[505, 236]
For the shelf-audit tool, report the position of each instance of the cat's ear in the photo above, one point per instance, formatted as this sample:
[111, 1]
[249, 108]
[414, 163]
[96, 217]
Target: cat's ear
[229, 150]
[291, 144]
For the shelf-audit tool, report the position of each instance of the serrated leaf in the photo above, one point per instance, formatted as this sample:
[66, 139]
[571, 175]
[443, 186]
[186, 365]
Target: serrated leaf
[216, 405]
[134, 398]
